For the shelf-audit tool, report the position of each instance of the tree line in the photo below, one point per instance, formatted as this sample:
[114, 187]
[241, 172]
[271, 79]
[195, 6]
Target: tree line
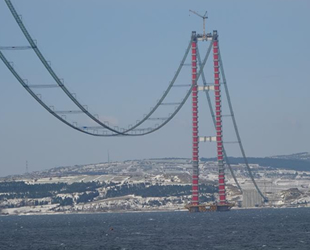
[20, 189]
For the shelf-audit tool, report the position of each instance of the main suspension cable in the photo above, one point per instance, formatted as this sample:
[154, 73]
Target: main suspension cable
[189, 91]
[236, 127]
[165, 93]
[150, 130]
[115, 132]
[67, 92]
[49, 68]
[22, 82]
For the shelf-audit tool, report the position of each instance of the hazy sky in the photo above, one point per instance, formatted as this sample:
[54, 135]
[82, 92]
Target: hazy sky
[119, 56]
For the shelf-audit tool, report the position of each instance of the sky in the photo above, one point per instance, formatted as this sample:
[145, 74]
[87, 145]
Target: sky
[119, 56]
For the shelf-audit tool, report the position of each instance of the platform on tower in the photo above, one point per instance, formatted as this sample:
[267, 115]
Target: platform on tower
[213, 207]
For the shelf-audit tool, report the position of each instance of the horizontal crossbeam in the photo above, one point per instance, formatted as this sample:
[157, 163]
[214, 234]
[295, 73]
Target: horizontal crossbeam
[207, 138]
[182, 85]
[63, 112]
[170, 103]
[15, 47]
[42, 86]
[206, 88]
[158, 118]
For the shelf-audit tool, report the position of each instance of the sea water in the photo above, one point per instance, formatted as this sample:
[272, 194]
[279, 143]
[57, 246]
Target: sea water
[237, 229]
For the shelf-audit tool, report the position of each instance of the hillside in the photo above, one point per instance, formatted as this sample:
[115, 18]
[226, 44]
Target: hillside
[152, 184]
[304, 156]
[298, 162]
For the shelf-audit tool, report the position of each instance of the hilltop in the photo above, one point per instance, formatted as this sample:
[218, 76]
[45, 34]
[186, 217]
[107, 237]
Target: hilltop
[298, 161]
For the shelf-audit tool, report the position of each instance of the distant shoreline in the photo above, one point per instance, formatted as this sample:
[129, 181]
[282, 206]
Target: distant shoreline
[143, 211]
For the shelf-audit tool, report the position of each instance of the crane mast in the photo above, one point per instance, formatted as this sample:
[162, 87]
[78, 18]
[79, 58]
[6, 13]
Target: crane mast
[204, 17]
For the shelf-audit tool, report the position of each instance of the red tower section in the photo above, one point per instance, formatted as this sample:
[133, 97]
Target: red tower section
[218, 117]
[195, 158]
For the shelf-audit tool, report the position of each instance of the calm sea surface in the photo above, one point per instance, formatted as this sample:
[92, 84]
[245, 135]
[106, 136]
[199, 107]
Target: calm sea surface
[238, 229]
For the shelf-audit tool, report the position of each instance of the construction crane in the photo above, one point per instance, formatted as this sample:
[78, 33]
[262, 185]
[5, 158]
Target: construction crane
[204, 17]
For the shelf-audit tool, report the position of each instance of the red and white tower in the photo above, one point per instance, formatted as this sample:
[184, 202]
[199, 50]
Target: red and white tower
[195, 157]
[222, 204]
[218, 120]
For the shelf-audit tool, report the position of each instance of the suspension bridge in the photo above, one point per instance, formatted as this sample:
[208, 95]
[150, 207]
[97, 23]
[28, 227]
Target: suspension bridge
[212, 91]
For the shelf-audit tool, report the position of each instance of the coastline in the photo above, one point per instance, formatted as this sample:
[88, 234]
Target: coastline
[136, 211]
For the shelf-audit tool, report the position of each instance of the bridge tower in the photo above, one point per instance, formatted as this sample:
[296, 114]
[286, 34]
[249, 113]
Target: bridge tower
[221, 204]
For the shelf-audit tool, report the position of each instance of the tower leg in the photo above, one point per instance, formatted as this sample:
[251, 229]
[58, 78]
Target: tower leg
[218, 118]
[195, 158]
